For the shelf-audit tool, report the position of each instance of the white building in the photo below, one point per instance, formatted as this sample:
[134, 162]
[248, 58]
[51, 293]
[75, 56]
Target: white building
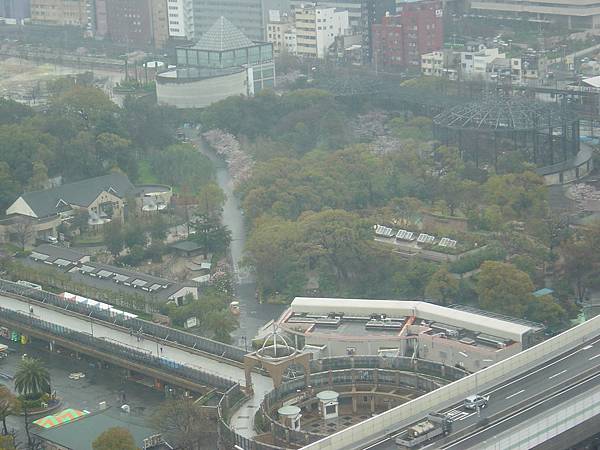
[464, 337]
[317, 28]
[180, 19]
[281, 32]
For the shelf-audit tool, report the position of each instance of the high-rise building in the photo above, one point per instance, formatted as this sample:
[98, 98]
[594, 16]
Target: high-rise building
[400, 39]
[136, 23]
[181, 19]
[16, 10]
[572, 13]
[373, 11]
[317, 28]
[247, 15]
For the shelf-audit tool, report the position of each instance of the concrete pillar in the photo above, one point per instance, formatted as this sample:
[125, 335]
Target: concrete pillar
[373, 403]
[354, 404]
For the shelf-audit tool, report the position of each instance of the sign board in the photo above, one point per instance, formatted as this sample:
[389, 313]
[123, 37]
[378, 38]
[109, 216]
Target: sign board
[191, 322]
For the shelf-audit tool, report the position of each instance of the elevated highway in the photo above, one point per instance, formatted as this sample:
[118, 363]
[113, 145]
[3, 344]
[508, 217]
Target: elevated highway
[518, 400]
[181, 359]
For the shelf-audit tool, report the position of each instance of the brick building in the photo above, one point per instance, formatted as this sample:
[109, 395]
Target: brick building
[137, 23]
[400, 39]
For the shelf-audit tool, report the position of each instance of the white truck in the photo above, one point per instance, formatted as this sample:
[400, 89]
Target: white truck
[435, 425]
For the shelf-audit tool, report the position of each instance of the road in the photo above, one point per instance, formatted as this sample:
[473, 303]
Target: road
[517, 391]
[495, 435]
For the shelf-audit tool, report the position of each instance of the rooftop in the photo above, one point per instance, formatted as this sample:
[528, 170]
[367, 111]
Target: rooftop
[501, 113]
[108, 276]
[81, 193]
[357, 313]
[223, 36]
[79, 434]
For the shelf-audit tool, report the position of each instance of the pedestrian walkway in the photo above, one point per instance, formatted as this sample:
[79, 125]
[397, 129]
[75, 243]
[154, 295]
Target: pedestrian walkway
[140, 343]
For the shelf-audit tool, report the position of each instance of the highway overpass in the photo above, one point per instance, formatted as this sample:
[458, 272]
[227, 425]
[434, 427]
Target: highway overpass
[144, 347]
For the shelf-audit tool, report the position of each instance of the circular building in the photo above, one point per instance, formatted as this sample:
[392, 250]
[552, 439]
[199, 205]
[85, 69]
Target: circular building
[500, 126]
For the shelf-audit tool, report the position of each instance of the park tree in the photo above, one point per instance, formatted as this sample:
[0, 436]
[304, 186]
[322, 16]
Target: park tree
[9, 187]
[222, 324]
[113, 238]
[504, 289]
[13, 112]
[442, 286]
[184, 424]
[580, 261]
[546, 310]
[39, 176]
[9, 406]
[116, 438]
[271, 253]
[211, 199]
[338, 237]
[213, 236]
[411, 281]
[7, 442]
[23, 233]
[519, 196]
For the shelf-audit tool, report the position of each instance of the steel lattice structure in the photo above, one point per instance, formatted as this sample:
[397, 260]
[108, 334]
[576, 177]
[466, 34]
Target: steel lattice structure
[485, 130]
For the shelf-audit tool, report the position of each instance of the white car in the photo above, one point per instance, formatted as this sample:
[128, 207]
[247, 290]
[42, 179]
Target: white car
[476, 401]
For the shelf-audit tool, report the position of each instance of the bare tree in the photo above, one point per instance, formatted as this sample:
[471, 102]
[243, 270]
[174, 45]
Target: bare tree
[185, 425]
[23, 233]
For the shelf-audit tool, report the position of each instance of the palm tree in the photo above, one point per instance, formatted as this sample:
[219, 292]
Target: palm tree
[32, 378]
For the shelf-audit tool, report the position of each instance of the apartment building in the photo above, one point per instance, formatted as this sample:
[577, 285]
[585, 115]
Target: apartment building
[281, 32]
[572, 13]
[483, 64]
[317, 28]
[373, 12]
[400, 39]
[354, 8]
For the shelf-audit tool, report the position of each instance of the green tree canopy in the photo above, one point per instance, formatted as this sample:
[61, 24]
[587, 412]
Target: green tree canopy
[32, 378]
[442, 287]
[116, 438]
[504, 289]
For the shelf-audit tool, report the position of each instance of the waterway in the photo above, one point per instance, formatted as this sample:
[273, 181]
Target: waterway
[253, 315]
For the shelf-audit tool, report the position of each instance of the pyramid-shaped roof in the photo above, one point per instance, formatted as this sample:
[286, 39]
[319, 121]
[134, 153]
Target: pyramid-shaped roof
[223, 36]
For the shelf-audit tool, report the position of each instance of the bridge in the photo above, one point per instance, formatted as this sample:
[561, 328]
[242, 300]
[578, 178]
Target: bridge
[551, 376]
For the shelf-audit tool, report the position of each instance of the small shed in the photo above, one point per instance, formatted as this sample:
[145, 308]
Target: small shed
[186, 248]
